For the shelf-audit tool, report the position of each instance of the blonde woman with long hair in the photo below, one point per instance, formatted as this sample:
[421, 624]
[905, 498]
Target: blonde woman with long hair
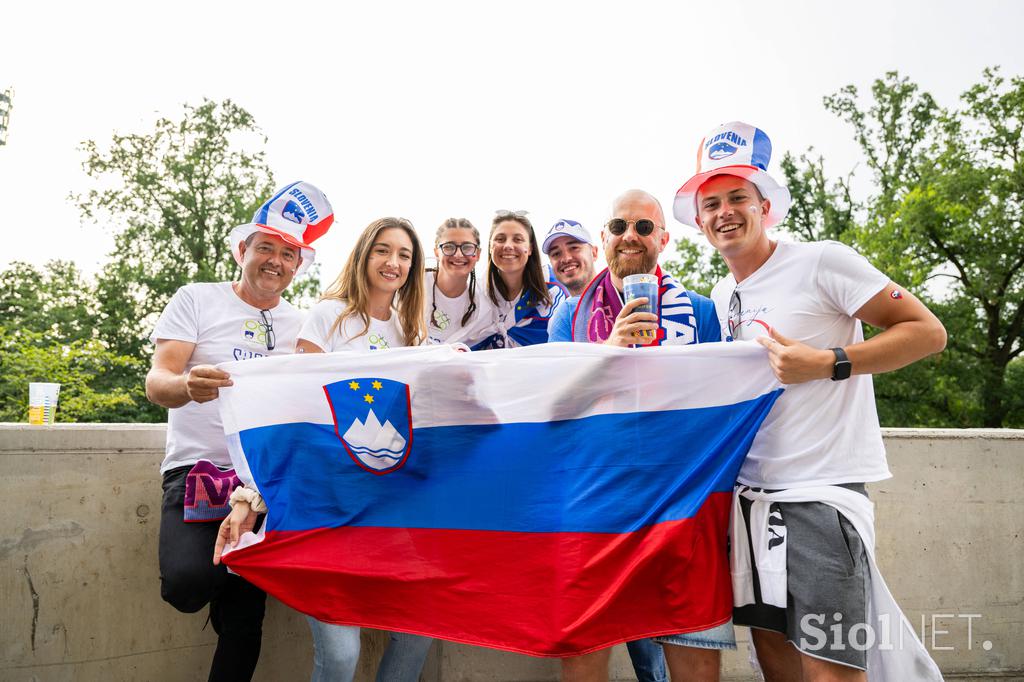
[376, 303]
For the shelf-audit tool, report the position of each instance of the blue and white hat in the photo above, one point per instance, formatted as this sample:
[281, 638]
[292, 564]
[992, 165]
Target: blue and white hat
[737, 149]
[298, 213]
[565, 228]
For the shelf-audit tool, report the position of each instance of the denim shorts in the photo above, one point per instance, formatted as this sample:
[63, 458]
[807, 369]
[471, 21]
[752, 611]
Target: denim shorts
[719, 637]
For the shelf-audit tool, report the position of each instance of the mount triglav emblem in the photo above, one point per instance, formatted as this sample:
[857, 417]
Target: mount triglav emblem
[372, 420]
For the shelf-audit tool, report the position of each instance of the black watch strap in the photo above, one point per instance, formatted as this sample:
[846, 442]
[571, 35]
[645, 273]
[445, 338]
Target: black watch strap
[842, 367]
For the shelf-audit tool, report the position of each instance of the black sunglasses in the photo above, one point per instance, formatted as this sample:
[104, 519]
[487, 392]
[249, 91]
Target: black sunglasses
[468, 249]
[268, 328]
[618, 226]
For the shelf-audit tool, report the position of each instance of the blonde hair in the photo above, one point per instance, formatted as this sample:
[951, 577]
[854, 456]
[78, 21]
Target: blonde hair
[353, 284]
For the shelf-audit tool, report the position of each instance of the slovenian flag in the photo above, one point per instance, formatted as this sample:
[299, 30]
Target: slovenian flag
[550, 500]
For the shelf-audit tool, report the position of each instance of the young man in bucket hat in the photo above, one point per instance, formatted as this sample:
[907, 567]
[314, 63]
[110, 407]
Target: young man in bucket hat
[205, 324]
[802, 548]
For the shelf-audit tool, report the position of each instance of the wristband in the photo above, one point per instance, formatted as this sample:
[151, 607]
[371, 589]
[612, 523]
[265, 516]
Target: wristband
[249, 496]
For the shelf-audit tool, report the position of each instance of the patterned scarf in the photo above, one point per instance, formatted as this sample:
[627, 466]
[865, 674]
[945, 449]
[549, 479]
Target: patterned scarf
[601, 303]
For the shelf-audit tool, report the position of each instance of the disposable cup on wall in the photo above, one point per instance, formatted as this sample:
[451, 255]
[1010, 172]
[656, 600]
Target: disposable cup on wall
[641, 286]
[42, 403]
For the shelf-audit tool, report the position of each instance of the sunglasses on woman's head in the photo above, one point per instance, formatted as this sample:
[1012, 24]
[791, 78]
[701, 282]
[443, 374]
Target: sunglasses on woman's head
[618, 226]
[503, 213]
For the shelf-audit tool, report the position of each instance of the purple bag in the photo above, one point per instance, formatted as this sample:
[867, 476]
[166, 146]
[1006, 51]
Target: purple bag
[207, 489]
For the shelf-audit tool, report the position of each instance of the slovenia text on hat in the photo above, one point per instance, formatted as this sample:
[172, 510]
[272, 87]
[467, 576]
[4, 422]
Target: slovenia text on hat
[737, 149]
[298, 213]
[566, 228]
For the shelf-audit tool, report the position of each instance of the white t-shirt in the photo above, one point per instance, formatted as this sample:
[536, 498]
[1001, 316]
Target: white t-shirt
[443, 315]
[223, 327]
[819, 432]
[321, 317]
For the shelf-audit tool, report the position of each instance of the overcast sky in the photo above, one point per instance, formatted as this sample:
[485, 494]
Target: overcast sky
[429, 110]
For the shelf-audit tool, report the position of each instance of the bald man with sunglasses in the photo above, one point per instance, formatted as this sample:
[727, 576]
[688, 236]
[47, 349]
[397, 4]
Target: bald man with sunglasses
[633, 239]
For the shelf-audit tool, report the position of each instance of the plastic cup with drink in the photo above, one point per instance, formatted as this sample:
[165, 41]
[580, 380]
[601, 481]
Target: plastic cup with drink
[42, 402]
[641, 286]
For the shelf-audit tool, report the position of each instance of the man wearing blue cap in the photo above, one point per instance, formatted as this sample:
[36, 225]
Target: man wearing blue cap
[572, 253]
[802, 551]
[205, 324]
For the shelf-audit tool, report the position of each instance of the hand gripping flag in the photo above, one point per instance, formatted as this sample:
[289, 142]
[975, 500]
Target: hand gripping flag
[549, 500]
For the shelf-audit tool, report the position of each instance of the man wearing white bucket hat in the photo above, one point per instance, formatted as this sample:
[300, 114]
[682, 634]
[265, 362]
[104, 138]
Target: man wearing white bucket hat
[804, 577]
[205, 324]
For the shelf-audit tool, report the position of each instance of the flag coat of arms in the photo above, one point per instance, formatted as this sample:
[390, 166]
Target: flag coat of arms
[551, 500]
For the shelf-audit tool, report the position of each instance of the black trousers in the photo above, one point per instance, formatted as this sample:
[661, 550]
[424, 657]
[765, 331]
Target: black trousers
[189, 581]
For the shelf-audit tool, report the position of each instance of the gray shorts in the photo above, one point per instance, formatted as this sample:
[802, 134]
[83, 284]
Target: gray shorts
[827, 579]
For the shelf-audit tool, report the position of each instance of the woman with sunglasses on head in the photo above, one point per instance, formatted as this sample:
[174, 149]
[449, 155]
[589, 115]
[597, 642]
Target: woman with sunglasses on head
[376, 303]
[516, 284]
[454, 309]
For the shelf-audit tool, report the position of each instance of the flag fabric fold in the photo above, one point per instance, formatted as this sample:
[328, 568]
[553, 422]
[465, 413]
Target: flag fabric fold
[550, 500]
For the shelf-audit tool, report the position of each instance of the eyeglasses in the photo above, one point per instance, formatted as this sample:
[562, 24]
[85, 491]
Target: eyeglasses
[502, 213]
[468, 249]
[735, 314]
[618, 226]
[268, 328]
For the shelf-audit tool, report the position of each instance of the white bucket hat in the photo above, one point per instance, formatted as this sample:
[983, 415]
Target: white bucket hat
[298, 213]
[737, 149]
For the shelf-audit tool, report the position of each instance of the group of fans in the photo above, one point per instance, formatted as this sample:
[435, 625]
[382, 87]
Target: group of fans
[804, 302]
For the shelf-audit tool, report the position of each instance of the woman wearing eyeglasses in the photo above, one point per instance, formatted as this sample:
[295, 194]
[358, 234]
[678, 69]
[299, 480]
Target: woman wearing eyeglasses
[516, 284]
[376, 303]
[454, 309]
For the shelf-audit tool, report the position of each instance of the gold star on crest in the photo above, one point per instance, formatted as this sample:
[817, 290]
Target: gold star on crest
[354, 385]
[377, 385]
[368, 398]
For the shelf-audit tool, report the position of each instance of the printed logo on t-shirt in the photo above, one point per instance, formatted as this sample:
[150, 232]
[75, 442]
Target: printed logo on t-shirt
[749, 325]
[441, 320]
[254, 333]
[378, 342]
[245, 354]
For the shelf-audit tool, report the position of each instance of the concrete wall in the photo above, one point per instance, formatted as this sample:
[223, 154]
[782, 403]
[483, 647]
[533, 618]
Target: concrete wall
[79, 513]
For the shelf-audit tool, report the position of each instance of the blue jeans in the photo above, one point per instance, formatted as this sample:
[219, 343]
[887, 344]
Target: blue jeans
[648, 660]
[336, 653]
[718, 637]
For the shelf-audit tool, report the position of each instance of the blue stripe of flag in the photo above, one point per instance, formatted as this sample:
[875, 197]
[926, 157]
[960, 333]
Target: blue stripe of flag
[611, 473]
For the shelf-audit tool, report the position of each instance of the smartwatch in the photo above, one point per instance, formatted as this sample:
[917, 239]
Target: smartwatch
[843, 367]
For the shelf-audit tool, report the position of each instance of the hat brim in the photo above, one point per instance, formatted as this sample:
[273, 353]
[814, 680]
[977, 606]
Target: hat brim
[684, 208]
[551, 238]
[241, 233]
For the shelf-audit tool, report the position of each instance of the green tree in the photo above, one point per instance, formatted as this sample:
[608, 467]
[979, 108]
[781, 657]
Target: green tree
[944, 220]
[92, 378]
[697, 265]
[48, 333]
[55, 301]
[171, 197]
